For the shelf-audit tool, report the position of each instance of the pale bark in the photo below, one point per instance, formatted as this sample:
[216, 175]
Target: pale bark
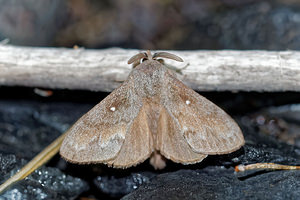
[104, 70]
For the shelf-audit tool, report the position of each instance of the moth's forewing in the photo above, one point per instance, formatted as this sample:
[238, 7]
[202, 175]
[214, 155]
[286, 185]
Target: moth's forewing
[206, 128]
[98, 136]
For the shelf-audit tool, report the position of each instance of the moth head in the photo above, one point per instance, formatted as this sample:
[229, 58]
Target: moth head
[141, 57]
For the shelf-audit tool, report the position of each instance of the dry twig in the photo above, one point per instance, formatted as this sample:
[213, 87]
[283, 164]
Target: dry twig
[103, 70]
[270, 166]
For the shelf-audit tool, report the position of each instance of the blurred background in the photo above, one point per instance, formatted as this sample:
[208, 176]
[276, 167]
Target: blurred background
[153, 24]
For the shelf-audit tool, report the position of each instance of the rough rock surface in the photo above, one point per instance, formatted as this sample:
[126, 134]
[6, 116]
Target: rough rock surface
[117, 187]
[26, 127]
[220, 183]
[46, 183]
[217, 179]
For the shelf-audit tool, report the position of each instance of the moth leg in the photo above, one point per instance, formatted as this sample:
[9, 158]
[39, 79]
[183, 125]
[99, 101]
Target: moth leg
[157, 160]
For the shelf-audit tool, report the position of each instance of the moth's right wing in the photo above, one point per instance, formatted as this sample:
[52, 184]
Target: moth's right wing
[206, 128]
[99, 135]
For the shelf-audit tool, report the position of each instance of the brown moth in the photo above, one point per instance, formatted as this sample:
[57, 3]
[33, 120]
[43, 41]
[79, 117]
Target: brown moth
[152, 114]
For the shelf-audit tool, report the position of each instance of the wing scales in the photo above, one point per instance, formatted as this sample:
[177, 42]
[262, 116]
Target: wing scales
[206, 128]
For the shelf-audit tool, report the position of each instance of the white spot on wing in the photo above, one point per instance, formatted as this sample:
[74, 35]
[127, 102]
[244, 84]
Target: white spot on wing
[187, 102]
[113, 109]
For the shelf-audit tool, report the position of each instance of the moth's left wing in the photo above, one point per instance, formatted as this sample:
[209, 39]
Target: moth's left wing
[113, 132]
[206, 128]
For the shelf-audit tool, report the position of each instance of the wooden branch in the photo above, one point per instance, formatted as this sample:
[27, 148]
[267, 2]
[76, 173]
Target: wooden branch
[104, 70]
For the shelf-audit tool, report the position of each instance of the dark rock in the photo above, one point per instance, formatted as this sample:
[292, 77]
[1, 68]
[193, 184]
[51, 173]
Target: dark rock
[118, 187]
[27, 127]
[259, 147]
[9, 165]
[7, 162]
[219, 183]
[222, 182]
[46, 183]
[23, 124]
[281, 122]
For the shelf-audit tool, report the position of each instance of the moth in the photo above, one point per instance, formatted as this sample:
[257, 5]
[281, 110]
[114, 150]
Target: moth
[152, 114]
